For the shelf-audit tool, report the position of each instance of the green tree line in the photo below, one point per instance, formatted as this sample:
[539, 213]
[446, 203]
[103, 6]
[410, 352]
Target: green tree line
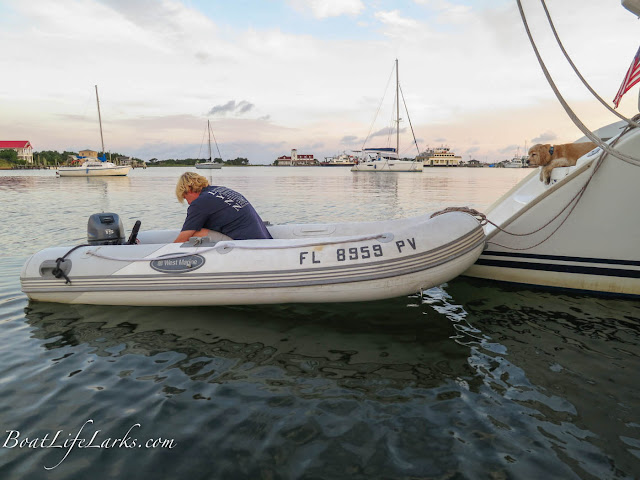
[53, 157]
[172, 162]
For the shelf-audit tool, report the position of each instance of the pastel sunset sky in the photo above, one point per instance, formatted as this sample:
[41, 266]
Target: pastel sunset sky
[272, 75]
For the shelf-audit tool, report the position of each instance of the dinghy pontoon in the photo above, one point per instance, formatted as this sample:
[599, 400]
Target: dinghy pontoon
[340, 262]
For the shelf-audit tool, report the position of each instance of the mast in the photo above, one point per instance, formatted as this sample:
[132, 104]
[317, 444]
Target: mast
[397, 111]
[209, 130]
[100, 120]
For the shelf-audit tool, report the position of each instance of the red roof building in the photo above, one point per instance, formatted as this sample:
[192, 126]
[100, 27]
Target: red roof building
[296, 160]
[22, 147]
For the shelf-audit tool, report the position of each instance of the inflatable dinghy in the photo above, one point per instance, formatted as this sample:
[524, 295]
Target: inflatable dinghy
[338, 262]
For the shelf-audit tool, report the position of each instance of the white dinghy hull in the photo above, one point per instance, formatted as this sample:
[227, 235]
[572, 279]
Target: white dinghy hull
[303, 263]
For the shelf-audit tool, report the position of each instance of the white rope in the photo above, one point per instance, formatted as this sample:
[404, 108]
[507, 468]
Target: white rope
[577, 72]
[230, 245]
[589, 134]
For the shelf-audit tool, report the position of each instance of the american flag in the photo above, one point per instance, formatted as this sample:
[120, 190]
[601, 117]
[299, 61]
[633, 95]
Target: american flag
[630, 79]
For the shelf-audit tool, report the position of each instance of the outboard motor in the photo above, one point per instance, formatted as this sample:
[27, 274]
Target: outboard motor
[105, 229]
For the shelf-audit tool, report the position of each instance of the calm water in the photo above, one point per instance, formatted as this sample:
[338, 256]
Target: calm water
[471, 380]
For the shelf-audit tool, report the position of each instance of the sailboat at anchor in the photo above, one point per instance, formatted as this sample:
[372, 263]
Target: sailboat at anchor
[387, 159]
[210, 164]
[95, 167]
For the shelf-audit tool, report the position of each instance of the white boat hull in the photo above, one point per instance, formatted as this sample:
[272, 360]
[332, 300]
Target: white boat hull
[303, 263]
[596, 249]
[106, 171]
[209, 166]
[387, 166]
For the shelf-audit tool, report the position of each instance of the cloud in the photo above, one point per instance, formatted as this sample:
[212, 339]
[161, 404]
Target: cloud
[393, 19]
[386, 131]
[232, 107]
[382, 132]
[447, 8]
[350, 140]
[330, 8]
[509, 149]
[545, 137]
[160, 63]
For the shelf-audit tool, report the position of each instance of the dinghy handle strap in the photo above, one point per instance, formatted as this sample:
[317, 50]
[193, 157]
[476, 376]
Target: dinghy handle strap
[57, 271]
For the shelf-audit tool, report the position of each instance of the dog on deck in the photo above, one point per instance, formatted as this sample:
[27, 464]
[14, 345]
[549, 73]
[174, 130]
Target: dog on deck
[552, 156]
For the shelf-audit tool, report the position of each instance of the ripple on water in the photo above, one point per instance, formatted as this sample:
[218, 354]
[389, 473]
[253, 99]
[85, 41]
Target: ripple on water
[256, 391]
[471, 380]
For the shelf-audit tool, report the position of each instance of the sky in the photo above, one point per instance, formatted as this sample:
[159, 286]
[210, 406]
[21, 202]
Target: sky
[315, 75]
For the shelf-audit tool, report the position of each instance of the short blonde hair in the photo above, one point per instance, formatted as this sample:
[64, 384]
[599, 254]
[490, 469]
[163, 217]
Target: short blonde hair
[190, 181]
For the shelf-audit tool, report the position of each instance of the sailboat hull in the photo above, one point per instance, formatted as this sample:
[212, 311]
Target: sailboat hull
[208, 166]
[387, 166]
[98, 171]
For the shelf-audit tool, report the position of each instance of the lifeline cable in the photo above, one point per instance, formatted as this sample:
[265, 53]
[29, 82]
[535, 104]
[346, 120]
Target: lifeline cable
[577, 72]
[588, 133]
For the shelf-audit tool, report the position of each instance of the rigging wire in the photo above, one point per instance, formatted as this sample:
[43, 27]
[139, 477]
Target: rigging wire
[202, 142]
[379, 107]
[578, 123]
[215, 141]
[575, 69]
[409, 118]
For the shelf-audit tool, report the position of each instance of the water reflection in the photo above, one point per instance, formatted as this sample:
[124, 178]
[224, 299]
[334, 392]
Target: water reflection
[572, 359]
[493, 380]
[353, 347]
[471, 380]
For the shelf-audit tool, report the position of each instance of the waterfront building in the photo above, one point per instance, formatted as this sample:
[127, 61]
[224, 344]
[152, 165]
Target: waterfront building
[22, 147]
[88, 154]
[475, 163]
[296, 160]
[439, 157]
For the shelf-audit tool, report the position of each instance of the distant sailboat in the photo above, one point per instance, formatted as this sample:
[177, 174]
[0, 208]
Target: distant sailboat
[210, 164]
[95, 167]
[387, 159]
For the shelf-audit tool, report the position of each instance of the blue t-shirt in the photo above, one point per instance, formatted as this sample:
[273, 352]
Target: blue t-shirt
[225, 211]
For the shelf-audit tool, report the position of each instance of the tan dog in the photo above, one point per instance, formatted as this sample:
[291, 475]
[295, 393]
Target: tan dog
[552, 156]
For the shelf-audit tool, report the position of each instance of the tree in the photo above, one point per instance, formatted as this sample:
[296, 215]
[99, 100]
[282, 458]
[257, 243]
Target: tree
[237, 161]
[11, 156]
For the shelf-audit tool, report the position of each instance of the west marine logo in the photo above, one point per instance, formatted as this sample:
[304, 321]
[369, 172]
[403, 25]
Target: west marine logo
[170, 264]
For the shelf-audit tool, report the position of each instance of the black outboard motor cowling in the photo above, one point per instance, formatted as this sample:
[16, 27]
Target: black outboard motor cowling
[105, 229]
